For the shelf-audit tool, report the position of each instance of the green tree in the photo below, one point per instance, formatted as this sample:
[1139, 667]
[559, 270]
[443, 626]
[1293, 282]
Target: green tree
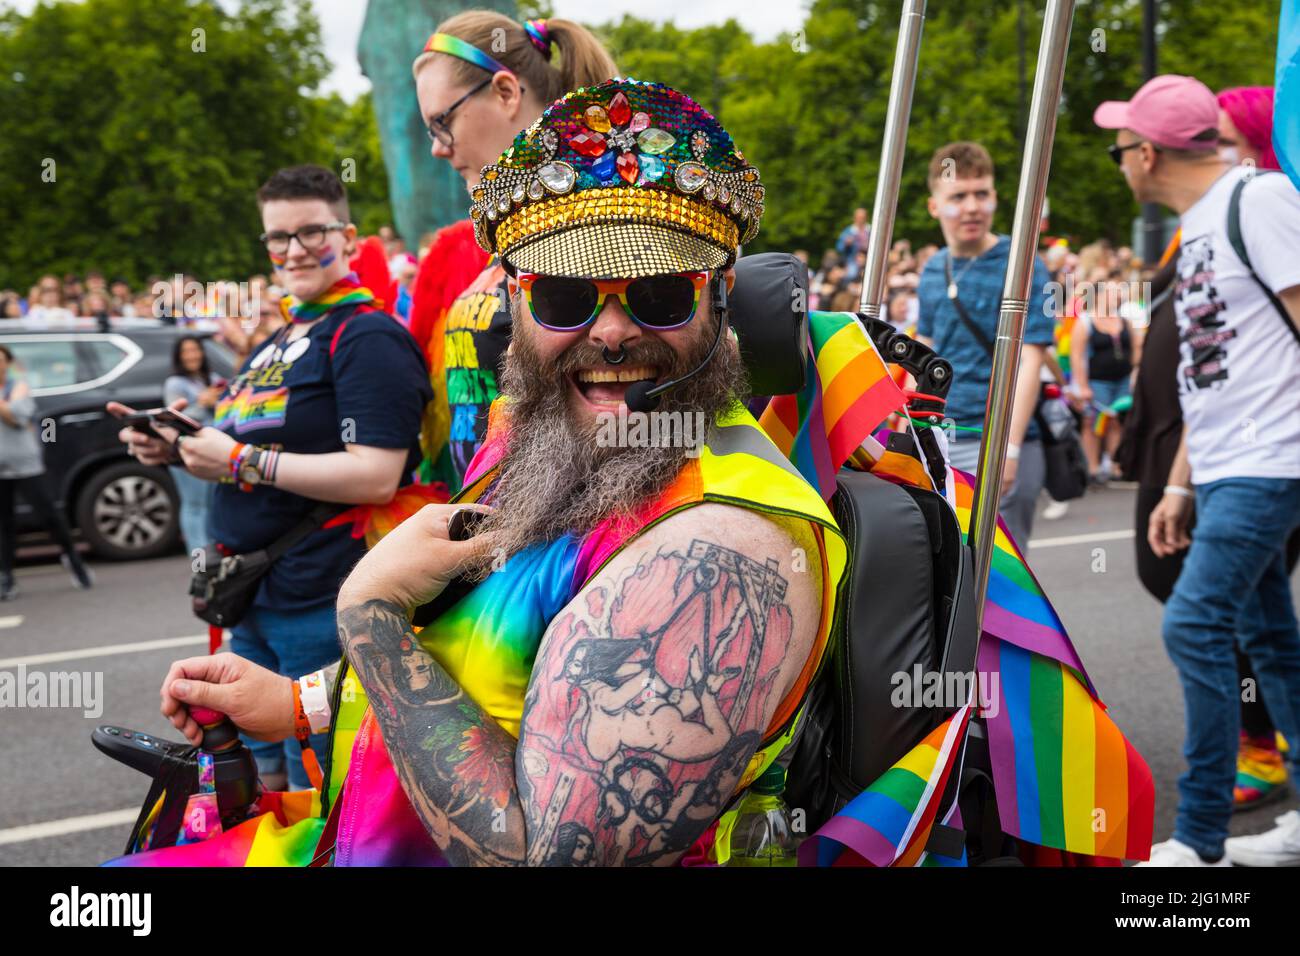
[136, 131]
[351, 148]
[809, 109]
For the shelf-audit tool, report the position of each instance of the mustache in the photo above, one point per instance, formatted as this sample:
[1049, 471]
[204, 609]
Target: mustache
[585, 355]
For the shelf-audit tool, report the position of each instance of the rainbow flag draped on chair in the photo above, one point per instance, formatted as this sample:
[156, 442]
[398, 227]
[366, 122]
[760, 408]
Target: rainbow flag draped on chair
[889, 823]
[283, 830]
[1064, 775]
[847, 393]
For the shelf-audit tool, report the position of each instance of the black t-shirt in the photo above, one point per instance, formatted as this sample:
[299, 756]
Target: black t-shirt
[296, 397]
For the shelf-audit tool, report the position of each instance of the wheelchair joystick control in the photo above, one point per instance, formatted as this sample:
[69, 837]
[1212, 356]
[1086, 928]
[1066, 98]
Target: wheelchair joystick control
[235, 770]
[219, 733]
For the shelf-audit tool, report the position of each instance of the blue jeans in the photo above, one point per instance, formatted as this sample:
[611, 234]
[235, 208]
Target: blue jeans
[195, 494]
[291, 643]
[1233, 587]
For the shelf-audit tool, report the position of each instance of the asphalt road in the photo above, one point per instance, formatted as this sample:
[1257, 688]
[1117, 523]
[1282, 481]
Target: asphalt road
[62, 803]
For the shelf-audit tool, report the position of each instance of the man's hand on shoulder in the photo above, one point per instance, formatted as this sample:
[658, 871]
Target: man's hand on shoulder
[656, 684]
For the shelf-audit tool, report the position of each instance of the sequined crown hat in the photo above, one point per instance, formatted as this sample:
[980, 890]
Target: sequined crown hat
[620, 180]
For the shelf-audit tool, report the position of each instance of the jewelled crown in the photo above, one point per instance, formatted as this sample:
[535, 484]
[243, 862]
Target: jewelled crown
[619, 180]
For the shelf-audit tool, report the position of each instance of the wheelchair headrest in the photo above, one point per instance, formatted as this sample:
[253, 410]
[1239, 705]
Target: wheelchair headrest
[769, 311]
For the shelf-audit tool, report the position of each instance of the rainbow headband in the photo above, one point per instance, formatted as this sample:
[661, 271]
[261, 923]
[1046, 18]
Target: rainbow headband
[455, 46]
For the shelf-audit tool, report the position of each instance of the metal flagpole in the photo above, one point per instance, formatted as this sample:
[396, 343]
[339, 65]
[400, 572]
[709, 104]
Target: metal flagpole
[1015, 290]
[897, 113]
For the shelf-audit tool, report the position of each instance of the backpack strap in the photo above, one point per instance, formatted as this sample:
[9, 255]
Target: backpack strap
[1239, 247]
[975, 331]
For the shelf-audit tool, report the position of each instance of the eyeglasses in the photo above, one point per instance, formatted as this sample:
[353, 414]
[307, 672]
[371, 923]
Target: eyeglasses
[1117, 152]
[310, 237]
[439, 127]
[661, 302]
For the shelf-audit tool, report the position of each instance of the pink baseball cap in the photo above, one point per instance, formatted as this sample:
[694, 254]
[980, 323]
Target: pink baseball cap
[1178, 112]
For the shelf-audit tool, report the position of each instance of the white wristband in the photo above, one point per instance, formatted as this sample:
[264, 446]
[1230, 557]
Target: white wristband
[1179, 490]
[315, 701]
[1013, 452]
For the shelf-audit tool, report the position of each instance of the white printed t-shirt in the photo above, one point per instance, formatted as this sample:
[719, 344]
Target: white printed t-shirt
[1239, 367]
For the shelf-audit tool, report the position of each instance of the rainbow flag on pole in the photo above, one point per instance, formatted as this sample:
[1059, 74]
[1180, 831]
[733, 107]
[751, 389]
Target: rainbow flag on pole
[847, 393]
[1016, 609]
[1064, 774]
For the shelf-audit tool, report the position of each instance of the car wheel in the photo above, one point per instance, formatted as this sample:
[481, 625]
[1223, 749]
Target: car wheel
[129, 511]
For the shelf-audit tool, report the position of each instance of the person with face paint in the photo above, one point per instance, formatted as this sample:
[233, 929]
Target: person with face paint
[960, 294]
[1237, 303]
[481, 79]
[327, 410]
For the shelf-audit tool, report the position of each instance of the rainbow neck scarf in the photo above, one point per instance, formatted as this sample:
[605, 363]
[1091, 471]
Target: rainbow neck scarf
[347, 291]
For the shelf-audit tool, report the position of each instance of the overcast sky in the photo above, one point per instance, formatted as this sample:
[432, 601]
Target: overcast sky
[341, 23]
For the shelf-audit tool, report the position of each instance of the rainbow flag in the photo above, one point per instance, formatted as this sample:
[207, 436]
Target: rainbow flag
[283, 832]
[1064, 774]
[889, 823]
[848, 392]
[1016, 609]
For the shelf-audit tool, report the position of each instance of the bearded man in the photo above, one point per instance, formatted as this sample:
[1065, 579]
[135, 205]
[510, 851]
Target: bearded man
[627, 640]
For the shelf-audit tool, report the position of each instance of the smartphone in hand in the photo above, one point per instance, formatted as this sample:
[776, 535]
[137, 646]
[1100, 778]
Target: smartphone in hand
[144, 421]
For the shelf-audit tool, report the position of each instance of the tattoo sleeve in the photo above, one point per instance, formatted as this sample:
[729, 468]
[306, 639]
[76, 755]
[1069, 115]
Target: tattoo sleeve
[647, 700]
[455, 762]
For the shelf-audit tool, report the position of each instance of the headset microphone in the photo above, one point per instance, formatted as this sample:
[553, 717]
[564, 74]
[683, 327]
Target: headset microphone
[644, 396]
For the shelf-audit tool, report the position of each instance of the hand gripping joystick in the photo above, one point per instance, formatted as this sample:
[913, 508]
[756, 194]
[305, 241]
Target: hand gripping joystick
[219, 733]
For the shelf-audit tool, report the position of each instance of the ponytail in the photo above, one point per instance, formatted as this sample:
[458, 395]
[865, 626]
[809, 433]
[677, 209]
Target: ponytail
[529, 51]
[583, 58]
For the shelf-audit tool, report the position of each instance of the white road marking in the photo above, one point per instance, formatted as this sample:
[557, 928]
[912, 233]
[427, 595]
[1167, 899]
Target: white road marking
[1081, 539]
[15, 620]
[108, 650]
[54, 828]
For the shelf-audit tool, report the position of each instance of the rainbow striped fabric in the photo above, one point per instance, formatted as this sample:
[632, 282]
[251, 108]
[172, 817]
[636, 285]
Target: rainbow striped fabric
[889, 823]
[1064, 774]
[1016, 609]
[347, 291]
[284, 832]
[847, 393]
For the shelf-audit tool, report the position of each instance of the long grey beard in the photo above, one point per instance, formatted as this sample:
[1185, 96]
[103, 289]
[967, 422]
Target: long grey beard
[555, 477]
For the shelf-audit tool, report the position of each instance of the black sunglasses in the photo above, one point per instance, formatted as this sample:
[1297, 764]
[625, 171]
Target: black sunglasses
[1117, 152]
[661, 302]
[439, 127]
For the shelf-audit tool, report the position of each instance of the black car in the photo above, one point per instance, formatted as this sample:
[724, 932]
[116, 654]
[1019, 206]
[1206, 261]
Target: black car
[123, 509]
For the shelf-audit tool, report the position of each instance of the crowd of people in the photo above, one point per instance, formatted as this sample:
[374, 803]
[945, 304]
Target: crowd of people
[339, 406]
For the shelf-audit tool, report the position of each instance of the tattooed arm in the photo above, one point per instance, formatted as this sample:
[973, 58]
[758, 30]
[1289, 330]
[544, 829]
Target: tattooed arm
[650, 692]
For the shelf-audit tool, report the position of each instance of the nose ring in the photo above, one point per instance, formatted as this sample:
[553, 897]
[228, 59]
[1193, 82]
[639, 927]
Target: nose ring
[616, 359]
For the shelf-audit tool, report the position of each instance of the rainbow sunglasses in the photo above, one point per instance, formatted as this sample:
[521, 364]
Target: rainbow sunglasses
[660, 302]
